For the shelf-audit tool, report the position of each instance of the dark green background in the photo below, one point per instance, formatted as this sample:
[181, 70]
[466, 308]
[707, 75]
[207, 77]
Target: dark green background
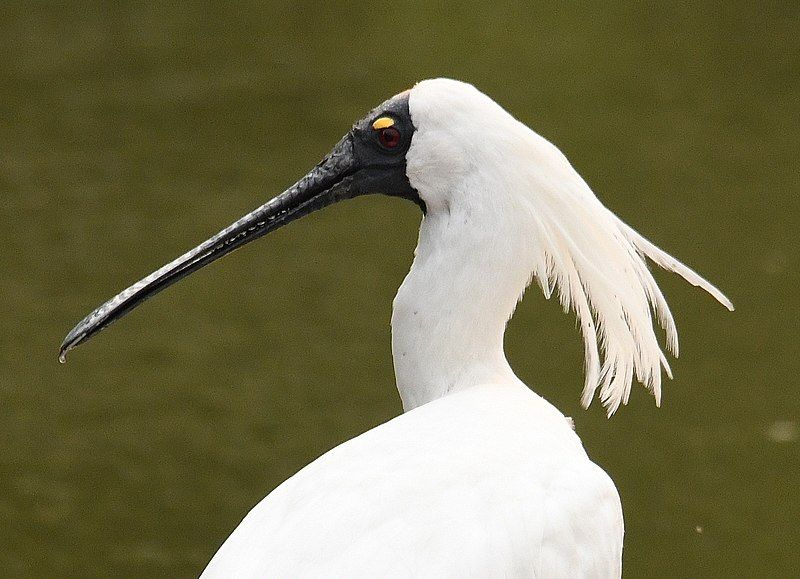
[131, 131]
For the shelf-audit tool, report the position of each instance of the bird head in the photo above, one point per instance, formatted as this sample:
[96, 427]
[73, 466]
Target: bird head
[451, 149]
[370, 158]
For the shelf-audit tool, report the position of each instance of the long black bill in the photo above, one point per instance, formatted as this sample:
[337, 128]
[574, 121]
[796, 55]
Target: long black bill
[330, 181]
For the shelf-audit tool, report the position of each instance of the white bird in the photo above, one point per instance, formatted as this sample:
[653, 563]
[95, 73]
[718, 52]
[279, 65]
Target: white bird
[480, 476]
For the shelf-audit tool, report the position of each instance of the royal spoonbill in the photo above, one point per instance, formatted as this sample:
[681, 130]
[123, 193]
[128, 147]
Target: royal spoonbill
[480, 476]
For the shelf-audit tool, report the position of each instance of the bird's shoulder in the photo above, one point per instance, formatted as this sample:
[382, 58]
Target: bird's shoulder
[477, 480]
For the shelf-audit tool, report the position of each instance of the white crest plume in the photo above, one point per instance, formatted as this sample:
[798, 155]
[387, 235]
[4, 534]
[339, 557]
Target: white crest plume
[596, 263]
[572, 245]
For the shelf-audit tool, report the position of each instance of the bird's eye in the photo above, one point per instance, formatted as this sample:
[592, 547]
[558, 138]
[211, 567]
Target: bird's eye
[389, 137]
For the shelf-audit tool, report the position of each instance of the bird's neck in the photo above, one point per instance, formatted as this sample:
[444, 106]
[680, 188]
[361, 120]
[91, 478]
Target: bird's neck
[451, 311]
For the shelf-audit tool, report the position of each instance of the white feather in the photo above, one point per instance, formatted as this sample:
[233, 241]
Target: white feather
[597, 264]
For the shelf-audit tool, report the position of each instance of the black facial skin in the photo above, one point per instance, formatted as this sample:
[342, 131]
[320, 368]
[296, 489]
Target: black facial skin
[358, 165]
[383, 170]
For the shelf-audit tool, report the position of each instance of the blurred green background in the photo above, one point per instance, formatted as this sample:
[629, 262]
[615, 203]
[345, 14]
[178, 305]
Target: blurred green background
[131, 131]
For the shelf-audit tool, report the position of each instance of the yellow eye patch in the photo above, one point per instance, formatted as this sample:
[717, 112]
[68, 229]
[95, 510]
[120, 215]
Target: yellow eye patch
[382, 123]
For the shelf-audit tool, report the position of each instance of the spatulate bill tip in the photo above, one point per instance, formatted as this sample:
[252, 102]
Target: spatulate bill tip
[68, 344]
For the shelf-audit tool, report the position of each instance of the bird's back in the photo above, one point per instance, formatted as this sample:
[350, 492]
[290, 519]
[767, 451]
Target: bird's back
[491, 481]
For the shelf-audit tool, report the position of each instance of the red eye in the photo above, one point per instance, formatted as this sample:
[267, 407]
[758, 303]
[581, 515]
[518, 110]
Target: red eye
[389, 137]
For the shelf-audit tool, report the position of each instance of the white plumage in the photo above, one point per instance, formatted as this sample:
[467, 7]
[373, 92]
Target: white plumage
[487, 482]
[480, 477]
